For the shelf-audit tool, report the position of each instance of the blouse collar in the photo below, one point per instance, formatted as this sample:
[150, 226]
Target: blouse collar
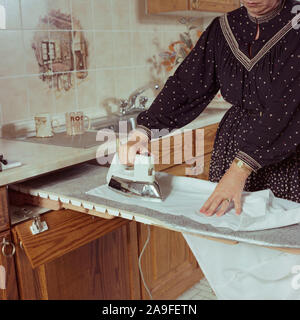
[269, 15]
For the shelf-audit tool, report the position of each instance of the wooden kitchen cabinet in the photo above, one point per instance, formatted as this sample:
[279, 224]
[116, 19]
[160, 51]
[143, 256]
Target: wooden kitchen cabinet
[8, 281]
[214, 5]
[169, 266]
[158, 6]
[181, 170]
[4, 215]
[82, 257]
[180, 148]
[85, 257]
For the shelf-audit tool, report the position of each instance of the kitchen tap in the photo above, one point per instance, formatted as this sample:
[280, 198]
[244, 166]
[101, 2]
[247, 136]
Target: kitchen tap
[130, 105]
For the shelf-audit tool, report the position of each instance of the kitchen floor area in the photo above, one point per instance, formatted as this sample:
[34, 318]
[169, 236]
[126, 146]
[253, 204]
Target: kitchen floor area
[200, 291]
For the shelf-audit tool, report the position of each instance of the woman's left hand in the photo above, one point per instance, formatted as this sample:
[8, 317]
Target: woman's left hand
[230, 187]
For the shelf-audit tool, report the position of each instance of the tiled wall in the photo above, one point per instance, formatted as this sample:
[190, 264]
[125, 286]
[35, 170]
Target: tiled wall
[121, 40]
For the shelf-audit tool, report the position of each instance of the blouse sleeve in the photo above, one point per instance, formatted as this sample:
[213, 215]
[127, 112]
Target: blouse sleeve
[275, 134]
[191, 88]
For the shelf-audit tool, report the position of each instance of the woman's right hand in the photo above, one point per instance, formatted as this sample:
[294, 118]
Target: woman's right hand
[137, 143]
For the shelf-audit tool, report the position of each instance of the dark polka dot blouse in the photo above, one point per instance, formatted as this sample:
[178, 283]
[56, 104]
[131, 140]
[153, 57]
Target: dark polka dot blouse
[260, 78]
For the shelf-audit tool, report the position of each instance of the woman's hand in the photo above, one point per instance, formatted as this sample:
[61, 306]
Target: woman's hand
[137, 143]
[229, 187]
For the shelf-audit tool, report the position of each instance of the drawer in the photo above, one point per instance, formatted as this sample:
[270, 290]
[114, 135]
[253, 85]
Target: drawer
[67, 231]
[173, 150]
[181, 170]
[178, 149]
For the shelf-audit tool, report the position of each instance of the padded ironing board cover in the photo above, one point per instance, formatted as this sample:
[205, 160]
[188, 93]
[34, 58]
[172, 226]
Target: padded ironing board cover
[241, 271]
[185, 196]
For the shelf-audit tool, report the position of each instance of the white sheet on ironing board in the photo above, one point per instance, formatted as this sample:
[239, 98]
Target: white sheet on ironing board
[247, 272]
[185, 196]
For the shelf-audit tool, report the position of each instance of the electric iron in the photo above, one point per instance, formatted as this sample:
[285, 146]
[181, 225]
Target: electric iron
[137, 181]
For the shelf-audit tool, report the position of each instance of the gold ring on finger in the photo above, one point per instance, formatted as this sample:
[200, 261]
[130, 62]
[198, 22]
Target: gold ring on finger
[227, 200]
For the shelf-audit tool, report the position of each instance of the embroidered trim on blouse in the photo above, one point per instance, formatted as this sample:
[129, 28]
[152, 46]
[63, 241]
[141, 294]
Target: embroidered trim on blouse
[234, 46]
[252, 163]
[268, 16]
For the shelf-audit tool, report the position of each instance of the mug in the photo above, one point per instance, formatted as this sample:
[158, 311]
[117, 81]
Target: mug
[75, 123]
[44, 126]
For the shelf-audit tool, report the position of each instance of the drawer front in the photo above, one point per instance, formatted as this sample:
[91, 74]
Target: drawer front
[67, 231]
[187, 169]
[173, 150]
[178, 149]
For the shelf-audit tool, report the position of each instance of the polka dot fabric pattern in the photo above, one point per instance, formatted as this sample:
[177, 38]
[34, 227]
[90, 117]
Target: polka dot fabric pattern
[260, 78]
[282, 178]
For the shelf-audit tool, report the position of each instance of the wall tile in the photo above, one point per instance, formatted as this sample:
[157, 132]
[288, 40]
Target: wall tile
[140, 47]
[30, 38]
[13, 99]
[32, 12]
[123, 46]
[82, 10]
[12, 14]
[122, 51]
[40, 96]
[121, 14]
[102, 14]
[86, 91]
[156, 44]
[11, 53]
[124, 82]
[106, 93]
[88, 37]
[143, 76]
[65, 100]
[104, 49]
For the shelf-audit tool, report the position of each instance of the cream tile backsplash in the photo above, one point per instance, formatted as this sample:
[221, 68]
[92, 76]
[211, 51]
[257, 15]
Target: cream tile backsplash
[122, 54]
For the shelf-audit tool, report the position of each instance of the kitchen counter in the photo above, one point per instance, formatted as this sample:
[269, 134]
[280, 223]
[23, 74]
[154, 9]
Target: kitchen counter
[39, 158]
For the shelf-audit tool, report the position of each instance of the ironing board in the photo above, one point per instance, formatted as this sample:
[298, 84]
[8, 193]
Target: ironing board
[68, 188]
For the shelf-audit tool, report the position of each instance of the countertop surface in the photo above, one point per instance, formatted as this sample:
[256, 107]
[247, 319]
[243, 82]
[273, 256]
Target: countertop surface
[37, 158]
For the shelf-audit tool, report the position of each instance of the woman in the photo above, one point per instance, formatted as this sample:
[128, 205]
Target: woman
[253, 55]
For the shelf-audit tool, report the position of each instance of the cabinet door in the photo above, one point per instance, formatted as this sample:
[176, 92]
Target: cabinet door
[4, 217]
[214, 5]
[104, 269]
[157, 6]
[168, 265]
[173, 150]
[67, 231]
[181, 170]
[8, 282]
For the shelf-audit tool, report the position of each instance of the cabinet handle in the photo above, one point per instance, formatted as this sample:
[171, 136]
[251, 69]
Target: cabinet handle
[6, 244]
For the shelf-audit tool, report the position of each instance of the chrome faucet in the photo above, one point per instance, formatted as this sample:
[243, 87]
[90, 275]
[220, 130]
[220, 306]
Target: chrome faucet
[130, 105]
